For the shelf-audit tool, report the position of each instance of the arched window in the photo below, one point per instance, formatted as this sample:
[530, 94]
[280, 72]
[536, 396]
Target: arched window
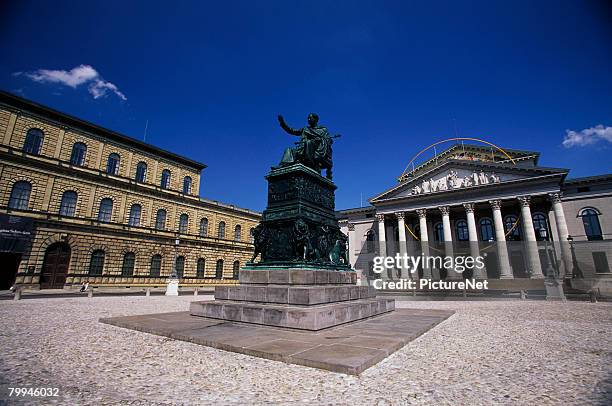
[238, 232]
[160, 219]
[187, 185]
[252, 235]
[127, 269]
[512, 228]
[183, 223]
[141, 172]
[371, 241]
[201, 268]
[33, 141]
[165, 179]
[219, 269]
[438, 232]
[221, 233]
[77, 158]
[156, 261]
[462, 230]
[204, 227]
[96, 263]
[106, 210]
[180, 266]
[235, 269]
[590, 221]
[540, 223]
[112, 164]
[486, 230]
[20, 195]
[134, 219]
[68, 203]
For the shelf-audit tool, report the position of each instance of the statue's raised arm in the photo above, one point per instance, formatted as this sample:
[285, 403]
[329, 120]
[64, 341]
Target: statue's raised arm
[289, 130]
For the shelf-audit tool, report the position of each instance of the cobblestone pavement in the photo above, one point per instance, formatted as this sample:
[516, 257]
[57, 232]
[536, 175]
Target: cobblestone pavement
[497, 352]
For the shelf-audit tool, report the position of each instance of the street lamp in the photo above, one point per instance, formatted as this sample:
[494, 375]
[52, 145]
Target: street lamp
[173, 280]
[174, 274]
[576, 271]
[550, 270]
[554, 290]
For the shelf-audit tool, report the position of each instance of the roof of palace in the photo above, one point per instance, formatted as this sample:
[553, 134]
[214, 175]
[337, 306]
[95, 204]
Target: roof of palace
[474, 153]
[588, 179]
[19, 103]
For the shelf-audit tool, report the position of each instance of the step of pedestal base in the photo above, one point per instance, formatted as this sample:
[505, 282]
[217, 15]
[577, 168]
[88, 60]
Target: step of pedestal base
[311, 318]
[296, 295]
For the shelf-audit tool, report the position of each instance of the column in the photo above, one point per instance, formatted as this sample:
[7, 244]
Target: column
[448, 233]
[422, 213]
[401, 225]
[473, 238]
[505, 272]
[562, 234]
[533, 258]
[382, 242]
[448, 240]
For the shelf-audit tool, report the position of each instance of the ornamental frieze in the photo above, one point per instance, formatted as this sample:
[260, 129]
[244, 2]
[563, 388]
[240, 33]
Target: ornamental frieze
[453, 181]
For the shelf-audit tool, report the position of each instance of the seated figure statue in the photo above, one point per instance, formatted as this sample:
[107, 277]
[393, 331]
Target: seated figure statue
[314, 148]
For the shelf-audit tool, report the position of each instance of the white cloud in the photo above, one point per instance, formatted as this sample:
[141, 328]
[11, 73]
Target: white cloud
[588, 136]
[75, 77]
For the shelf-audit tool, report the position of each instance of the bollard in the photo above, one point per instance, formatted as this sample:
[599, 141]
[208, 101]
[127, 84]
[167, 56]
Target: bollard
[523, 295]
[195, 292]
[464, 293]
[148, 292]
[17, 294]
[592, 296]
[90, 293]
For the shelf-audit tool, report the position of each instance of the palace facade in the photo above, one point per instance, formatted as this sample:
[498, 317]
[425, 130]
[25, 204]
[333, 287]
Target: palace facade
[475, 200]
[79, 202]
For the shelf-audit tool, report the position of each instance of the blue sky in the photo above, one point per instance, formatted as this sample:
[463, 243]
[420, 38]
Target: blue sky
[391, 76]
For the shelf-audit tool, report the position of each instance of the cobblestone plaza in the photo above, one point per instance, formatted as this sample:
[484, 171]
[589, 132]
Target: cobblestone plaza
[493, 352]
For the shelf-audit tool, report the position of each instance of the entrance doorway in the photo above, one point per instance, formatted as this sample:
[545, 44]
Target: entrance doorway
[55, 266]
[8, 271]
[518, 264]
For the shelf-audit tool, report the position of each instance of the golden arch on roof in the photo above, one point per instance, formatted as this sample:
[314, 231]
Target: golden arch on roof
[406, 173]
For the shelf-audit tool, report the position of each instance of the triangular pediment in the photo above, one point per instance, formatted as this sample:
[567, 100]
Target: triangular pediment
[454, 175]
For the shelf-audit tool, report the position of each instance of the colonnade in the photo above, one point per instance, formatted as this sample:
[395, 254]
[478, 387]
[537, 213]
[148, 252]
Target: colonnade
[534, 266]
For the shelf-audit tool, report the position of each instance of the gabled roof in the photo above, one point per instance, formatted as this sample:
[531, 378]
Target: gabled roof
[496, 166]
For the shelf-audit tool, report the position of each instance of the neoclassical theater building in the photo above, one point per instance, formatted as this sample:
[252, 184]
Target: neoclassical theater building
[483, 200]
[79, 202]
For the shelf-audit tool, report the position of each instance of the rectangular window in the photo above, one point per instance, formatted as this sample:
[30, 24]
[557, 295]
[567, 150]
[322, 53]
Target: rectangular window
[601, 262]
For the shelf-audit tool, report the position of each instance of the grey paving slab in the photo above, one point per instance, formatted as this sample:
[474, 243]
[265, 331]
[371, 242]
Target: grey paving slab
[350, 348]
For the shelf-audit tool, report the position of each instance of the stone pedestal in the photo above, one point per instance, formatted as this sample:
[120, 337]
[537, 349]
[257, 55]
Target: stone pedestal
[304, 299]
[172, 287]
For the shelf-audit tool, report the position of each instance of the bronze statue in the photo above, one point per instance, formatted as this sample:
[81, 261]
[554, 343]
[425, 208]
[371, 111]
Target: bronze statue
[261, 240]
[314, 148]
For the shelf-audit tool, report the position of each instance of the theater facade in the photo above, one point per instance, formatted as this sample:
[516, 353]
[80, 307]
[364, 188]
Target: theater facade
[526, 220]
[81, 203]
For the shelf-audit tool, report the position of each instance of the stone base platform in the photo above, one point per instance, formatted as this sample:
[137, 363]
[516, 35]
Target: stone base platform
[295, 295]
[315, 317]
[305, 298]
[350, 348]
